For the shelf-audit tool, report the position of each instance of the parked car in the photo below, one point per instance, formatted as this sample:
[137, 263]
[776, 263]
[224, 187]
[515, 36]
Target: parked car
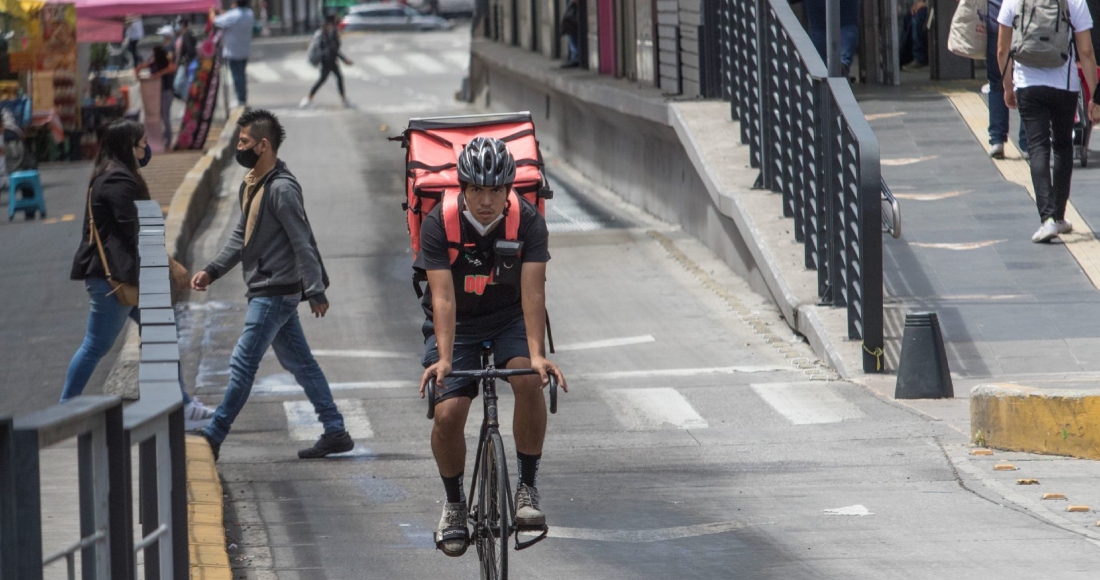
[449, 7]
[391, 16]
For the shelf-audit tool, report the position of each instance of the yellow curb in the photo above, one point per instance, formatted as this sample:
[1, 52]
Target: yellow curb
[1052, 422]
[1082, 244]
[206, 523]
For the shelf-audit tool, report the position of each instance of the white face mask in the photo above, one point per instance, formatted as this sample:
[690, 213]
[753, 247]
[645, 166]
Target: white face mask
[481, 229]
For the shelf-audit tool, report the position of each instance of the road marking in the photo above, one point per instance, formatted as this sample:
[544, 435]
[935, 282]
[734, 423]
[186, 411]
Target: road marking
[68, 217]
[878, 116]
[852, 510]
[459, 58]
[364, 354]
[929, 196]
[353, 72]
[643, 536]
[606, 343]
[907, 160]
[957, 247]
[424, 62]
[385, 65]
[276, 388]
[641, 409]
[1082, 243]
[675, 373]
[262, 72]
[808, 403]
[302, 69]
[302, 423]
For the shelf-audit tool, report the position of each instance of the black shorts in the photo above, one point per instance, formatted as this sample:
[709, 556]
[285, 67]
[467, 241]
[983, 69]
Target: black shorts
[509, 341]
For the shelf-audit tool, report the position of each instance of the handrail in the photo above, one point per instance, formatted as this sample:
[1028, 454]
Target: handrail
[813, 145]
[106, 432]
[891, 213]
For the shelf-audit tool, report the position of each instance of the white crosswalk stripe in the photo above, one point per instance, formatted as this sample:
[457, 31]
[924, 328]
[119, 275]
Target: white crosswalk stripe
[302, 69]
[809, 403]
[654, 408]
[385, 65]
[302, 423]
[424, 63]
[262, 72]
[354, 72]
[459, 58]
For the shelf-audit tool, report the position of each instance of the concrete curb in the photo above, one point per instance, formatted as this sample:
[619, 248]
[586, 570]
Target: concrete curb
[1045, 421]
[205, 520]
[200, 185]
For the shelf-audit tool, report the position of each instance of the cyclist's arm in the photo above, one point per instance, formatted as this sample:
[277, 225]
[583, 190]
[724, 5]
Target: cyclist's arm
[533, 292]
[443, 317]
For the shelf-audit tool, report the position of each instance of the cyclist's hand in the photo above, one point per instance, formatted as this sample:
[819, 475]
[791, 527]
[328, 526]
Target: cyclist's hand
[545, 369]
[437, 371]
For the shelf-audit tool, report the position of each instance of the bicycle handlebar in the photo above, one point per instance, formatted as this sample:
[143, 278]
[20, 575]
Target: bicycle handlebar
[491, 374]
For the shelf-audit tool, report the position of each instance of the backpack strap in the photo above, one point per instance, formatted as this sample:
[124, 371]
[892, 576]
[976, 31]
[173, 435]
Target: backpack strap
[451, 225]
[511, 219]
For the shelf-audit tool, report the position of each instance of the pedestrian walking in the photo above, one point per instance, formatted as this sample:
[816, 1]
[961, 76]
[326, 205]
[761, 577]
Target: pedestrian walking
[1041, 80]
[186, 52]
[135, 31]
[237, 25]
[108, 256]
[282, 267]
[163, 67]
[849, 29]
[998, 111]
[328, 49]
[570, 27]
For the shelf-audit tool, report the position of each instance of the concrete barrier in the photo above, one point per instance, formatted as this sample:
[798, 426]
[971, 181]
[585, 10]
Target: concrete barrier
[1047, 421]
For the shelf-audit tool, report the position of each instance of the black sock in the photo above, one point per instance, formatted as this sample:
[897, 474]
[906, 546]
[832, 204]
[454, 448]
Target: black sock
[528, 468]
[453, 485]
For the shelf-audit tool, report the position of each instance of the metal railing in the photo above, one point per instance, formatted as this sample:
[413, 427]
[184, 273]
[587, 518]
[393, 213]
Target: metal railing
[105, 433]
[813, 145]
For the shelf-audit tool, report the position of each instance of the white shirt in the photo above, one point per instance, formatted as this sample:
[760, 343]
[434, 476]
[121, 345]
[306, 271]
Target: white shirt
[136, 30]
[1028, 76]
[237, 24]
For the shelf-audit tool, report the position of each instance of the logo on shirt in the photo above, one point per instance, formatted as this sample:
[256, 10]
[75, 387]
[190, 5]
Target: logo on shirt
[476, 283]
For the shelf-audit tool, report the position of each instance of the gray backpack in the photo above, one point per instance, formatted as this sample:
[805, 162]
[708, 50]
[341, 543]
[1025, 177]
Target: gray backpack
[1042, 34]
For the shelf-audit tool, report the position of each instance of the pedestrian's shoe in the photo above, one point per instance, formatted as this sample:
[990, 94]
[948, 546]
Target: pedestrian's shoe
[571, 65]
[196, 416]
[1046, 232]
[997, 151]
[327, 445]
[215, 447]
[528, 513]
[304, 103]
[452, 536]
[348, 105]
[1064, 226]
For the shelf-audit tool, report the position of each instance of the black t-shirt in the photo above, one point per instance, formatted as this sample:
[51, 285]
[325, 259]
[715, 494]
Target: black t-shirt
[480, 304]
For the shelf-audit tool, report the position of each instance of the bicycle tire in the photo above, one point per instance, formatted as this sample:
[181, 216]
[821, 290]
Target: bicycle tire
[493, 514]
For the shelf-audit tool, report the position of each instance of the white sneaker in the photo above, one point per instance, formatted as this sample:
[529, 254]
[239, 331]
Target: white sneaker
[1064, 226]
[305, 102]
[196, 416]
[997, 151]
[348, 105]
[1046, 232]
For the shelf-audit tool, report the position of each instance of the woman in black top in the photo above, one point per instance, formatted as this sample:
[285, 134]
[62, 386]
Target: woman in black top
[330, 56]
[162, 66]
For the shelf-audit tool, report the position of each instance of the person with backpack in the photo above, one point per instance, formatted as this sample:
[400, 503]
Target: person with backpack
[325, 51]
[465, 306]
[998, 111]
[282, 267]
[1036, 45]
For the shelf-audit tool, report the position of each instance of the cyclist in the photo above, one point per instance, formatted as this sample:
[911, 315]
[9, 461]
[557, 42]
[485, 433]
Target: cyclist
[465, 307]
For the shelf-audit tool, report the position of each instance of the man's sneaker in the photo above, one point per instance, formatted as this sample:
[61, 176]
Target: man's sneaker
[327, 445]
[1064, 226]
[527, 507]
[997, 151]
[214, 447]
[1046, 232]
[196, 416]
[452, 536]
[305, 102]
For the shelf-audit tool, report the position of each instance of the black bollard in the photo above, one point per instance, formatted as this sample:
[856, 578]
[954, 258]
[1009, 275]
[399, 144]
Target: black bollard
[923, 372]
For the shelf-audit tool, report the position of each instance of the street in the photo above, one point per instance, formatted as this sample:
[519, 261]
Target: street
[698, 439]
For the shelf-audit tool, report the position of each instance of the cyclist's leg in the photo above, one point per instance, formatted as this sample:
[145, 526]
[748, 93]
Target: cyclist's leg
[529, 419]
[452, 406]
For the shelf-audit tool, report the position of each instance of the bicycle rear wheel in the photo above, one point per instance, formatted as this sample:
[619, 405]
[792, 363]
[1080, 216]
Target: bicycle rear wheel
[493, 514]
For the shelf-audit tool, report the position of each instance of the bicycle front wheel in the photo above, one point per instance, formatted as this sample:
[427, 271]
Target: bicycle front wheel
[493, 515]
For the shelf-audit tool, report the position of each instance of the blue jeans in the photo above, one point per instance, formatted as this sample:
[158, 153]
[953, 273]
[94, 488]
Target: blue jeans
[849, 28]
[273, 321]
[574, 49]
[106, 317]
[918, 30]
[240, 80]
[998, 111]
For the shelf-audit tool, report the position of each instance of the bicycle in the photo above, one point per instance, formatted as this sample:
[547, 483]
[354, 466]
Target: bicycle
[492, 512]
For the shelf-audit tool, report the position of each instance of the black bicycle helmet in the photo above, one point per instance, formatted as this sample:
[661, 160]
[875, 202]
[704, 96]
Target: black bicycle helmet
[486, 162]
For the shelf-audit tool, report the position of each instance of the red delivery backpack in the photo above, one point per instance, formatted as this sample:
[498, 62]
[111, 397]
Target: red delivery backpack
[431, 171]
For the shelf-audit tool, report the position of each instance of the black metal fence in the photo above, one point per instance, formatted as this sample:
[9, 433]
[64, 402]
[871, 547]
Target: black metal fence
[813, 145]
[105, 433]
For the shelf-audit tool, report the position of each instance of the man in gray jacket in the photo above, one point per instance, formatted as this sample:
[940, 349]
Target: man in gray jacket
[275, 246]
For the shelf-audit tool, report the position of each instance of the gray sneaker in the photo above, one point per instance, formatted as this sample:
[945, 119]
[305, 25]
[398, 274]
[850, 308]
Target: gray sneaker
[527, 507]
[452, 536]
[997, 151]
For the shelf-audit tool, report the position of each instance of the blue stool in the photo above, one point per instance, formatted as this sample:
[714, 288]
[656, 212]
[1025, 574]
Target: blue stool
[28, 204]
